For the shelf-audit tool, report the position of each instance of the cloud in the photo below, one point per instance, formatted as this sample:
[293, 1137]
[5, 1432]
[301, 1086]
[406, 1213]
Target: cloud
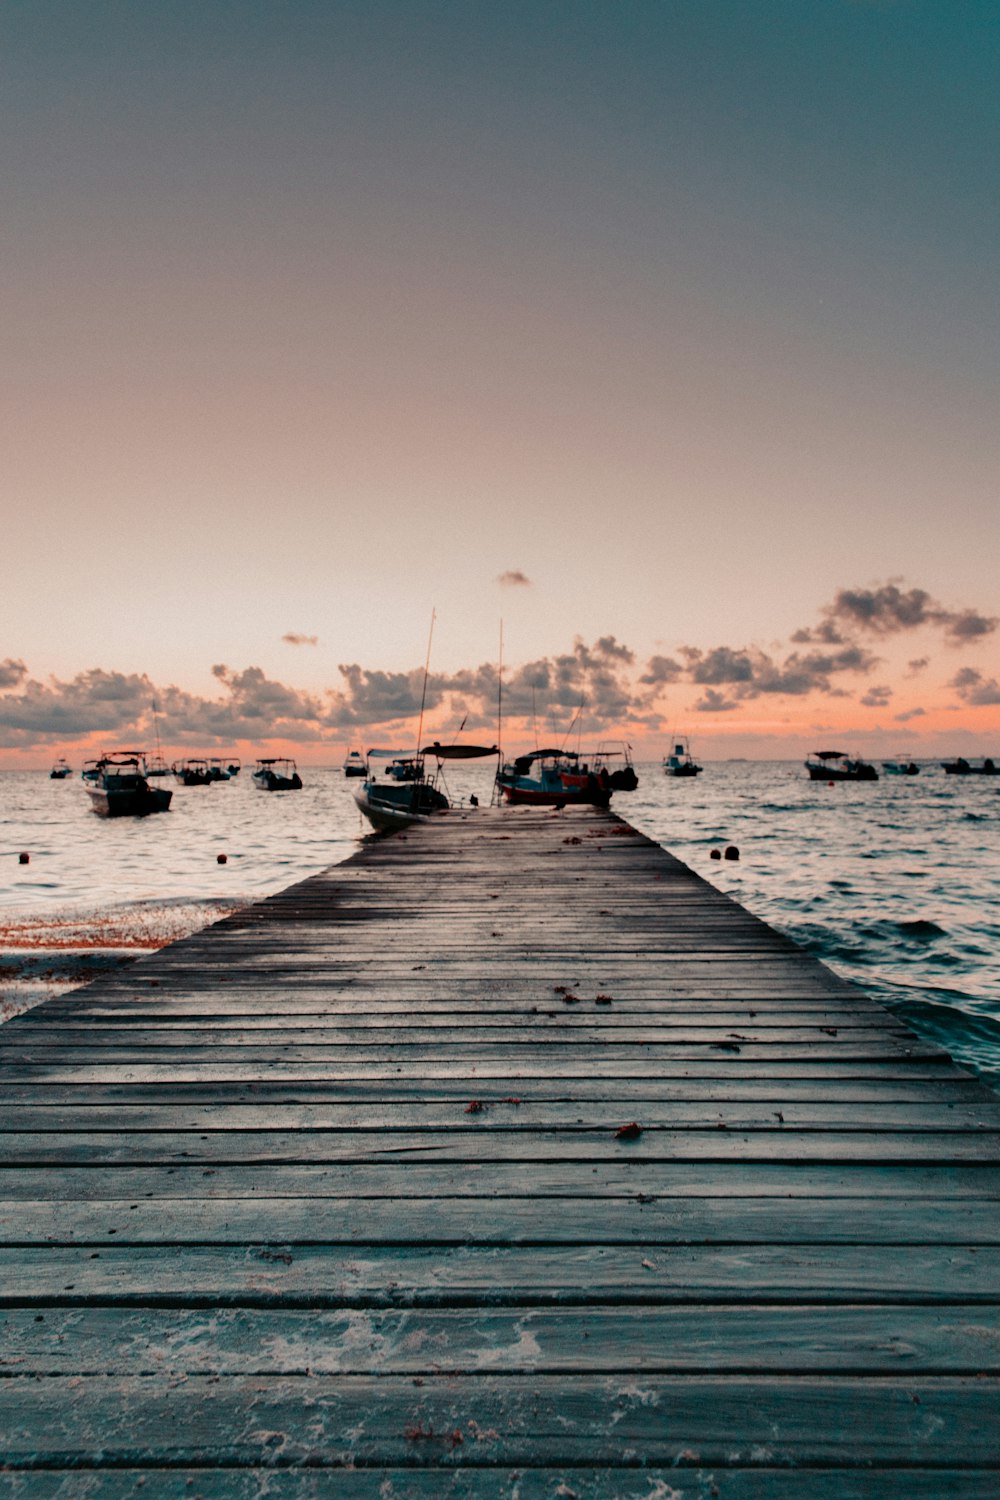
[514, 578]
[887, 609]
[877, 697]
[12, 673]
[714, 702]
[975, 689]
[749, 672]
[967, 625]
[660, 670]
[908, 714]
[292, 638]
[92, 702]
[917, 665]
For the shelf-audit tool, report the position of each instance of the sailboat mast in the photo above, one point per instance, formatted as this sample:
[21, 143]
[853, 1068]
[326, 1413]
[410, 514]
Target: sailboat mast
[500, 691]
[423, 695]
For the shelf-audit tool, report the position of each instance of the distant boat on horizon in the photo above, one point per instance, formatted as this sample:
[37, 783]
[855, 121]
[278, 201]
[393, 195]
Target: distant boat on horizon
[961, 767]
[354, 764]
[60, 770]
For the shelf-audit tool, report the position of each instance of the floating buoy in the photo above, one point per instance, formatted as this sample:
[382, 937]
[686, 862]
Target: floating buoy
[222, 859]
[732, 852]
[24, 858]
[715, 854]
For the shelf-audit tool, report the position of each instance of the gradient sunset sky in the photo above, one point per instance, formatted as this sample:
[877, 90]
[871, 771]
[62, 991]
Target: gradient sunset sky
[667, 330]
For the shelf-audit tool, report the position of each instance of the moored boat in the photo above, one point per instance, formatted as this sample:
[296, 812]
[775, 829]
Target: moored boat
[835, 765]
[680, 762]
[962, 767]
[554, 778]
[121, 790]
[234, 767]
[156, 767]
[901, 767]
[217, 771]
[60, 770]
[354, 764]
[193, 771]
[407, 793]
[91, 770]
[276, 774]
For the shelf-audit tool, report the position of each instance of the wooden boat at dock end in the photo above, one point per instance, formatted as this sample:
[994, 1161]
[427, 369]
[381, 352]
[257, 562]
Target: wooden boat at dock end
[407, 793]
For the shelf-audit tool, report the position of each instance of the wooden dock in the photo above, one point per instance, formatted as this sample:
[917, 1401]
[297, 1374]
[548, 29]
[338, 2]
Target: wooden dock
[341, 1183]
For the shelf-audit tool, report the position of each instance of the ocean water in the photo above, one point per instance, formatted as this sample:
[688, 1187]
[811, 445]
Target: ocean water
[893, 883]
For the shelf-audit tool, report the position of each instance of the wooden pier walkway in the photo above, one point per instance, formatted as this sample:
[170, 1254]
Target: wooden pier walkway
[341, 1183]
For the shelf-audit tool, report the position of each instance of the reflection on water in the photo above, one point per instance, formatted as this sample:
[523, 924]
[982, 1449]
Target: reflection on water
[892, 883]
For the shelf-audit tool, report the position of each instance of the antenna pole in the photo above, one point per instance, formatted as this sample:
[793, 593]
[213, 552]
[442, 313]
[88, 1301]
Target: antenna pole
[423, 695]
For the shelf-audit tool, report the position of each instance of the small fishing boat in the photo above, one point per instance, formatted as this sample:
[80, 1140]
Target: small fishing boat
[60, 770]
[354, 764]
[217, 771]
[91, 770]
[554, 778]
[192, 772]
[901, 767]
[276, 774]
[680, 762]
[156, 766]
[122, 791]
[234, 767]
[407, 793]
[962, 767]
[835, 765]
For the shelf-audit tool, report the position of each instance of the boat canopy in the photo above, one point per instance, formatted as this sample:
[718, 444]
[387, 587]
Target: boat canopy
[388, 754]
[459, 752]
[548, 755]
[830, 754]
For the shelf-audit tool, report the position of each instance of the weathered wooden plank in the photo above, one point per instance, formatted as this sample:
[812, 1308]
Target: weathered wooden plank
[564, 1482]
[785, 1150]
[915, 1084]
[399, 1180]
[295, 1275]
[26, 1123]
[705, 1339]
[499, 1143]
[332, 1421]
[448, 1220]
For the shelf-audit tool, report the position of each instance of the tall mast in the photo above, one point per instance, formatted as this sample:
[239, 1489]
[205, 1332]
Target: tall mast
[500, 691]
[423, 695]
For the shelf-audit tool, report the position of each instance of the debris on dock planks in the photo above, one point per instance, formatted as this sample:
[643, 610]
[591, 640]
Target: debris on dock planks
[343, 1182]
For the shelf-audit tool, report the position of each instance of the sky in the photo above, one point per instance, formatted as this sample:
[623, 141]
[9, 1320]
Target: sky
[664, 332]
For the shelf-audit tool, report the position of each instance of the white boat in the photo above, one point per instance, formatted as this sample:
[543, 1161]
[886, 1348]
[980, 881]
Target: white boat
[901, 767]
[680, 762]
[354, 764]
[122, 791]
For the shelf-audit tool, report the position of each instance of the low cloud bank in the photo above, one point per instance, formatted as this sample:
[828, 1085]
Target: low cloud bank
[831, 659]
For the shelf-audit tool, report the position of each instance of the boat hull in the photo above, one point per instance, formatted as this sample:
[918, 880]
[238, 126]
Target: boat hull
[267, 782]
[826, 773]
[567, 796]
[392, 807]
[130, 802]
